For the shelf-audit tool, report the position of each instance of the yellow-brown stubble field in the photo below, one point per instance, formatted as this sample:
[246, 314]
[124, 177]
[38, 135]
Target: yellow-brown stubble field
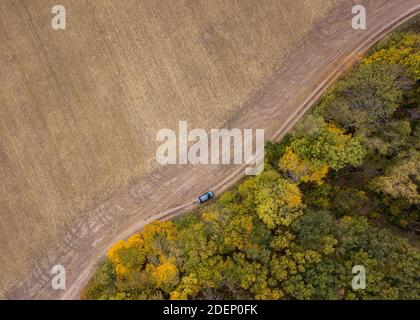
[80, 107]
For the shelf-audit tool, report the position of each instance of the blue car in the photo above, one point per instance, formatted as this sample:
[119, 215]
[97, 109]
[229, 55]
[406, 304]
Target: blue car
[205, 197]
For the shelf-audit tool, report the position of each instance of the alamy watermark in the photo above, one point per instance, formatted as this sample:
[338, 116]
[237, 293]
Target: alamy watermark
[59, 20]
[192, 147]
[359, 280]
[359, 20]
[58, 282]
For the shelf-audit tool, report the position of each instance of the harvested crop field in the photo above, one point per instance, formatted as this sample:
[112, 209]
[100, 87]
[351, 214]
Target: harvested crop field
[81, 106]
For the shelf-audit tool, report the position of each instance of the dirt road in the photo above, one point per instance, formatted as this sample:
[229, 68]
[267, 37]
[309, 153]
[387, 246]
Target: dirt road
[324, 54]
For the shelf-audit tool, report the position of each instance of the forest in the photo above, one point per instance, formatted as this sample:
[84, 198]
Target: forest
[341, 189]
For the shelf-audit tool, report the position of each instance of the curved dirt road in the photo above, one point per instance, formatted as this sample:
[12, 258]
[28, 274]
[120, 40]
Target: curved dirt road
[324, 54]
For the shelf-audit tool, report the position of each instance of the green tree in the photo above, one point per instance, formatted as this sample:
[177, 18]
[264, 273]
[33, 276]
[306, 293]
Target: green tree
[366, 98]
[278, 202]
[402, 49]
[402, 180]
[324, 146]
